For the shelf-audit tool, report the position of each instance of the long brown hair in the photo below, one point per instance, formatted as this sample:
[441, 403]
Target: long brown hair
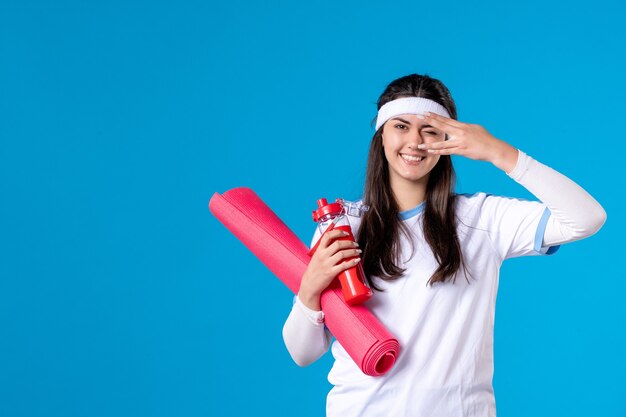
[380, 227]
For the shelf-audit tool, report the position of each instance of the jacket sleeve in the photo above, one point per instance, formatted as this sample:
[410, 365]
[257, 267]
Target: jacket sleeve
[305, 335]
[574, 213]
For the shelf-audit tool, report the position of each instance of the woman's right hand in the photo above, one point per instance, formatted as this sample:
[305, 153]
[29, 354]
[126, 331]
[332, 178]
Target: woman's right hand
[326, 263]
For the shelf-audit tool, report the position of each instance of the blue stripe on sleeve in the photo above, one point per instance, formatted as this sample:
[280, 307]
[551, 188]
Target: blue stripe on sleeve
[541, 228]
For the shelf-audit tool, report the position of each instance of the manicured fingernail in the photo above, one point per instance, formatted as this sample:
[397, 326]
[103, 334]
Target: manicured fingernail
[421, 146]
[419, 116]
[359, 251]
[344, 233]
[355, 243]
[357, 260]
[431, 150]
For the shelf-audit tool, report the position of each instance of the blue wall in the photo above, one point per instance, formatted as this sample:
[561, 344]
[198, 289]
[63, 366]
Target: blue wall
[120, 294]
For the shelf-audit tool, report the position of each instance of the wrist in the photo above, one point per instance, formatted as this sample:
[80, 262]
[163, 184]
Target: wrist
[310, 299]
[315, 316]
[505, 157]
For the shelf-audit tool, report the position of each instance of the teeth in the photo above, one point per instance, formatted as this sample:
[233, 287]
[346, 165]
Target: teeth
[411, 158]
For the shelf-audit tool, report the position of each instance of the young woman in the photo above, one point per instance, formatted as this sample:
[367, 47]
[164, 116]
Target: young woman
[432, 258]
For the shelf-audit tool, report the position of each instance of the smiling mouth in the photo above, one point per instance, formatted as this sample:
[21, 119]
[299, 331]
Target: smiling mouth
[411, 158]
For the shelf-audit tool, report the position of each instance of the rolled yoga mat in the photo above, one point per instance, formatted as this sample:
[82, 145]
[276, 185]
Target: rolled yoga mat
[365, 339]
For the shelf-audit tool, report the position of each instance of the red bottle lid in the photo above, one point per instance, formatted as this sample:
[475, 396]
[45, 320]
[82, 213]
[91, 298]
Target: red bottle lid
[324, 208]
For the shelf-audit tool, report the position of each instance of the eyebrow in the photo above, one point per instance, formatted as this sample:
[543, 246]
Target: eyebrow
[408, 123]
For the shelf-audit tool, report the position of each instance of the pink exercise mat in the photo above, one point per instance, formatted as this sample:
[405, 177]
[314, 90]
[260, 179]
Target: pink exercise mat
[365, 339]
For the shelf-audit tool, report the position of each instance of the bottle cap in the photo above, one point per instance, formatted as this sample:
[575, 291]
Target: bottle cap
[324, 208]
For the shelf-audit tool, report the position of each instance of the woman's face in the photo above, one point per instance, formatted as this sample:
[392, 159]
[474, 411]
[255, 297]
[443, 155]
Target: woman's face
[401, 135]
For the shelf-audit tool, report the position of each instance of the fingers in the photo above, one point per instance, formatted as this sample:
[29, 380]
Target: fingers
[334, 234]
[344, 254]
[338, 251]
[438, 124]
[447, 151]
[330, 260]
[452, 143]
[338, 245]
[442, 124]
[442, 119]
[449, 147]
[342, 266]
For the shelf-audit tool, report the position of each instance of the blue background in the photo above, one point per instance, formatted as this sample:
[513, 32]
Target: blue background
[120, 294]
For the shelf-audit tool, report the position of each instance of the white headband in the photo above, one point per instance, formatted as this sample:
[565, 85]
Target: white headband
[408, 105]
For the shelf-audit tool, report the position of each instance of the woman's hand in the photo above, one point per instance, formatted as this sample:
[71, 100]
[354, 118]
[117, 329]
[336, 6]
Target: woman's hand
[470, 140]
[326, 263]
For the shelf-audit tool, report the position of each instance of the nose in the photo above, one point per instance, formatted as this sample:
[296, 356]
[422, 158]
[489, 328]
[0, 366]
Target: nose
[415, 139]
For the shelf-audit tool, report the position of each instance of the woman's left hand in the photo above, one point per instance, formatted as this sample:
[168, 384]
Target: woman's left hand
[470, 140]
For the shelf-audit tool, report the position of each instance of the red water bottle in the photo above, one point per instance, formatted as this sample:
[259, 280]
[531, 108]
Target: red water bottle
[331, 216]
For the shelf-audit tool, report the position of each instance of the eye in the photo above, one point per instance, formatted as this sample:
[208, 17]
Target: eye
[400, 125]
[430, 132]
